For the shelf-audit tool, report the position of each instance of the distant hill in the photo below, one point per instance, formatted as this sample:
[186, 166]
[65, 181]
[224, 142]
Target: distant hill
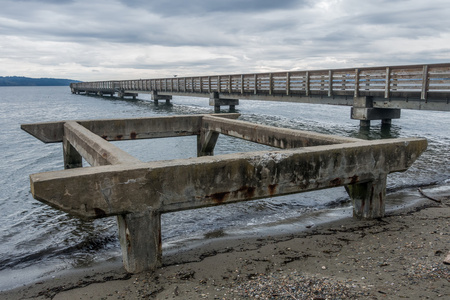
[26, 81]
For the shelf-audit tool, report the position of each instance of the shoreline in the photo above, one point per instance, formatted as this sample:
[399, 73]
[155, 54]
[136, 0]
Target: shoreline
[399, 256]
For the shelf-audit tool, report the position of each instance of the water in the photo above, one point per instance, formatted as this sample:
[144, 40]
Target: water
[37, 241]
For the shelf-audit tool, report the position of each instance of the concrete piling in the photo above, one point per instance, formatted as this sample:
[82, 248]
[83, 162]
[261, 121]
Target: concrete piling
[140, 240]
[119, 184]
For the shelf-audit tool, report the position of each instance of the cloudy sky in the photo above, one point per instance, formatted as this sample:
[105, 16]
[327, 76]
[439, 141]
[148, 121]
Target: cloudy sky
[130, 39]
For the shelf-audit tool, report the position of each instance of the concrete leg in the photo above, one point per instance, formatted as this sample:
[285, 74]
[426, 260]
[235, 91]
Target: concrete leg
[386, 121]
[364, 123]
[156, 102]
[72, 159]
[206, 142]
[217, 102]
[140, 240]
[368, 198]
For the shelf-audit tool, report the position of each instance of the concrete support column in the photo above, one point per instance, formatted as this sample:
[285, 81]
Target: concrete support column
[122, 94]
[140, 240]
[206, 142]
[364, 111]
[217, 102]
[72, 158]
[368, 198]
[156, 98]
[364, 123]
[386, 121]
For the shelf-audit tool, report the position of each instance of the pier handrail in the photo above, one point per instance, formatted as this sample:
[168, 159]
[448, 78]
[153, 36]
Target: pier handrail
[428, 81]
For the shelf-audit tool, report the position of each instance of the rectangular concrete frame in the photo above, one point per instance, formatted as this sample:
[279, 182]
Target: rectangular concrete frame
[138, 192]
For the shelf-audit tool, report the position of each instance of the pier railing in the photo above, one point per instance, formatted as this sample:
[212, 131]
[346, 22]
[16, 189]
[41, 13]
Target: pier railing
[422, 82]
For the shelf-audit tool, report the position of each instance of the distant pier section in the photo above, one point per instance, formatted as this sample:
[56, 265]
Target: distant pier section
[375, 93]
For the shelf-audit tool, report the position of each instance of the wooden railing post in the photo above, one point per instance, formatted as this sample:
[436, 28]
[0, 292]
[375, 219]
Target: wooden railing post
[288, 83]
[307, 84]
[330, 83]
[356, 94]
[424, 93]
[270, 83]
[387, 88]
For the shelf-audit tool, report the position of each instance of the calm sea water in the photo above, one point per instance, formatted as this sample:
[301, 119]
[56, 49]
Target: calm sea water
[37, 241]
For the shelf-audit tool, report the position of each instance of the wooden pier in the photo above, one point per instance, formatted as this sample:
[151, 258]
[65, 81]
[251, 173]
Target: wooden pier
[137, 192]
[375, 93]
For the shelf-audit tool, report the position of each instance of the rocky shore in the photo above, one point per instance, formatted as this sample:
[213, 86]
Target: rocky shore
[402, 256]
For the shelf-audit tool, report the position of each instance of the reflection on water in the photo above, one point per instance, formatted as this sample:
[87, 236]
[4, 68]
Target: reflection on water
[377, 132]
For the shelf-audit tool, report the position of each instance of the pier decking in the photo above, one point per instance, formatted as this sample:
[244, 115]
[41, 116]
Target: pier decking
[375, 93]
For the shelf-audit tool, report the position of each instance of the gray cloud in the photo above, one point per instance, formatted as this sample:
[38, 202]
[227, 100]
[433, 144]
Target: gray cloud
[201, 7]
[137, 38]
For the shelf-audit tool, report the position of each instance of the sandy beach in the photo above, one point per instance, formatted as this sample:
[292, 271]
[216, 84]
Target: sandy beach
[402, 256]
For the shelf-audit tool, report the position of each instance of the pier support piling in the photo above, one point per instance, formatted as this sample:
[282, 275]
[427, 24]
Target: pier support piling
[368, 198]
[137, 192]
[123, 94]
[206, 142]
[72, 158]
[156, 98]
[217, 102]
[140, 240]
[364, 111]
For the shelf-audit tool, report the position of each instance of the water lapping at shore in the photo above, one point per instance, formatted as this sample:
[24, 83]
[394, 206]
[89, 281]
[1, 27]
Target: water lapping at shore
[36, 240]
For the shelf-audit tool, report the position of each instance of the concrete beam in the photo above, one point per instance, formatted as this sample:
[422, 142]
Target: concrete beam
[93, 148]
[373, 113]
[272, 136]
[125, 129]
[364, 111]
[120, 189]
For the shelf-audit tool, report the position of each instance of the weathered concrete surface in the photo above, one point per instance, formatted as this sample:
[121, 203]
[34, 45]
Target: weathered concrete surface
[95, 149]
[137, 193]
[140, 240]
[363, 110]
[124, 129]
[368, 198]
[121, 189]
[72, 158]
[372, 113]
[272, 136]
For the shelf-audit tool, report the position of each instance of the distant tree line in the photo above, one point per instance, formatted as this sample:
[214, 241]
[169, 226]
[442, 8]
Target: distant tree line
[26, 81]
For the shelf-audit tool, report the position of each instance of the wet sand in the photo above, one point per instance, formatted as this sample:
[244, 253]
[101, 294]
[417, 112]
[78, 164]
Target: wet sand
[397, 257]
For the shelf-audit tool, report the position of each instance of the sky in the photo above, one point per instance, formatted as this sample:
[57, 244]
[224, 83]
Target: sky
[91, 40]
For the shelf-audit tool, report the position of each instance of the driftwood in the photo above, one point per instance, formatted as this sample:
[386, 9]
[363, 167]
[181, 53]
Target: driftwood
[428, 197]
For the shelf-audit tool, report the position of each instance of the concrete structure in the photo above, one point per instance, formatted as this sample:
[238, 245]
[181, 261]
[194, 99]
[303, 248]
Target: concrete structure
[375, 93]
[118, 184]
